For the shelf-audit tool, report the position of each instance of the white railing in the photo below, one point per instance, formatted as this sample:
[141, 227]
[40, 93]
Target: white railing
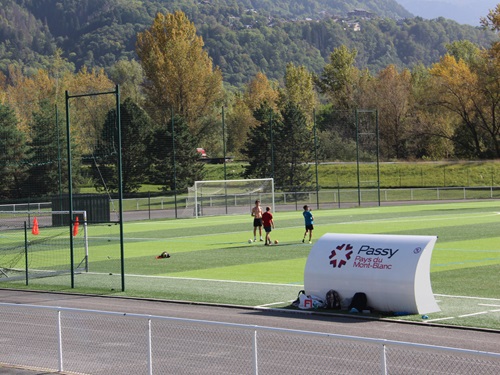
[102, 342]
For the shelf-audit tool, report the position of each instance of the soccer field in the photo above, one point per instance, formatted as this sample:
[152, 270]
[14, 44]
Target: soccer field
[211, 260]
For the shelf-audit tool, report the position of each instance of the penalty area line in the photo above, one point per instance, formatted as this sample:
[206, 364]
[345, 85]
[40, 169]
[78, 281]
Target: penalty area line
[463, 316]
[200, 279]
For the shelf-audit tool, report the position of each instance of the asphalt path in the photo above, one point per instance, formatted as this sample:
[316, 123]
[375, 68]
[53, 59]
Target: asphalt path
[421, 333]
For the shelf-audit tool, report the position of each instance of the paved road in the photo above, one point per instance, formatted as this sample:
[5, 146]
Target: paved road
[415, 333]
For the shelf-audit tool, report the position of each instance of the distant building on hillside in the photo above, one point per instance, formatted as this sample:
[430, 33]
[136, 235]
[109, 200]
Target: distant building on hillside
[357, 13]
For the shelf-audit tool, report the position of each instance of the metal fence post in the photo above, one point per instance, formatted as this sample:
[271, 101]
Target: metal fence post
[150, 349]
[255, 359]
[383, 361]
[59, 340]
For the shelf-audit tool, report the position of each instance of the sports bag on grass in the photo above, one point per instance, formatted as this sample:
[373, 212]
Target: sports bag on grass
[359, 302]
[332, 300]
[307, 302]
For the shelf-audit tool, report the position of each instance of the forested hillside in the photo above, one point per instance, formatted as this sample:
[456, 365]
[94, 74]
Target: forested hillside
[242, 37]
[277, 86]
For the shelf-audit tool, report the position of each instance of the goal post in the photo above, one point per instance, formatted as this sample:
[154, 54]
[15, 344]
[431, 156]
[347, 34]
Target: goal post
[37, 242]
[223, 197]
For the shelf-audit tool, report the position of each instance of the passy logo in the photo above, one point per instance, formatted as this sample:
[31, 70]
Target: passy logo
[340, 255]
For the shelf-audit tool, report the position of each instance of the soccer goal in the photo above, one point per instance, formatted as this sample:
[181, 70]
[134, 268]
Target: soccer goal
[37, 243]
[228, 197]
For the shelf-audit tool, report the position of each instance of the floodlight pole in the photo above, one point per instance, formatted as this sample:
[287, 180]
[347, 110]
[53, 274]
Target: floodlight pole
[357, 156]
[378, 156]
[224, 154]
[316, 158]
[272, 144]
[174, 161]
[59, 171]
[70, 192]
[120, 183]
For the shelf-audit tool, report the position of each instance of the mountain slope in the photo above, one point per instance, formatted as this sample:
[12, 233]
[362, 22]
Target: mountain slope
[243, 37]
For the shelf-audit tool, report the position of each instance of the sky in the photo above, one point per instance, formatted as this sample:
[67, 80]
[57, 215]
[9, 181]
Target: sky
[463, 11]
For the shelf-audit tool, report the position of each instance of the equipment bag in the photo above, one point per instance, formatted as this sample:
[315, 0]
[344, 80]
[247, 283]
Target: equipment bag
[359, 302]
[332, 300]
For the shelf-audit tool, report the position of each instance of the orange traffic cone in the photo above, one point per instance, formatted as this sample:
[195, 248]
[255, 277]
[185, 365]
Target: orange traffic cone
[34, 229]
[75, 226]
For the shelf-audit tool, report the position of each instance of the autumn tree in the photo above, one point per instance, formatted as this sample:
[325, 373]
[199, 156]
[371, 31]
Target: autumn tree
[180, 74]
[392, 97]
[128, 74]
[300, 89]
[260, 91]
[239, 120]
[492, 22]
[472, 94]
[432, 127]
[88, 113]
[339, 78]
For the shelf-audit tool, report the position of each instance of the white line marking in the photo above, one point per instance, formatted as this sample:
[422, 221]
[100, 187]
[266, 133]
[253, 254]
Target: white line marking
[438, 319]
[418, 219]
[485, 304]
[204, 280]
[271, 304]
[468, 297]
[478, 313]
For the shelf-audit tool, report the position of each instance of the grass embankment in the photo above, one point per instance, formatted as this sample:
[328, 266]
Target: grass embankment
[392, 175]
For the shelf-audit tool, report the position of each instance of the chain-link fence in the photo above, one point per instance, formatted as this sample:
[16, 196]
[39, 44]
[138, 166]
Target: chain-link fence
[99, 342]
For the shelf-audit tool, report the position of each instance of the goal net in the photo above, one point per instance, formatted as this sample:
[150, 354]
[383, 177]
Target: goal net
[37, 243]
[228, 197]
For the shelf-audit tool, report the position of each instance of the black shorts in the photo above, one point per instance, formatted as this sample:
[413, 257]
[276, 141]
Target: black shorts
[309, 227]
[268, 229]
[257, 222]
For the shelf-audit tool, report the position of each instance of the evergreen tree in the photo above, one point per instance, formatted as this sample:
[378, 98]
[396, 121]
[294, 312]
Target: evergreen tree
[136, 126]
[294, 150]
[13, 146]
[282, 151]
[258, 147]
[175, 166]
[47, 157]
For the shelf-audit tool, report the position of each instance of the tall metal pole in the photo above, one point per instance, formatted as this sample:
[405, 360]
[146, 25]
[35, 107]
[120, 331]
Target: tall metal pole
[174, 159]
[224, 154]
[70, 192]
[357, 156]
[272, 144]
[378, 150]
[120, 184]
[59, 166]
[316, 158]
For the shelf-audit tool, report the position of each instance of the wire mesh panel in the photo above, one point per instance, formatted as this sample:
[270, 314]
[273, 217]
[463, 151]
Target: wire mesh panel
[31, 338]
[291, 353]
[190, 348]
[104, 344]
[99, 342]
[410, 361]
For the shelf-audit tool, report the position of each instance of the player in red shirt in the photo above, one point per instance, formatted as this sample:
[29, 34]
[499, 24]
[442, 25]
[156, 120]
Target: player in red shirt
[268, 224]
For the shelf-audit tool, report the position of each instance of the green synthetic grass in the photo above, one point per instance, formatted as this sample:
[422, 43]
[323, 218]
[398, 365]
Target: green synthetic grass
[212, 261]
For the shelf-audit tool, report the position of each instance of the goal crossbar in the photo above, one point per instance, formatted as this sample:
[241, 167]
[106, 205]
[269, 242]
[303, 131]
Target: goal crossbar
[234, 188]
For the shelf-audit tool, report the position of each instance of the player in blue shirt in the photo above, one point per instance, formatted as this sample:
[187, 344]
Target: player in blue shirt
[309, 222]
